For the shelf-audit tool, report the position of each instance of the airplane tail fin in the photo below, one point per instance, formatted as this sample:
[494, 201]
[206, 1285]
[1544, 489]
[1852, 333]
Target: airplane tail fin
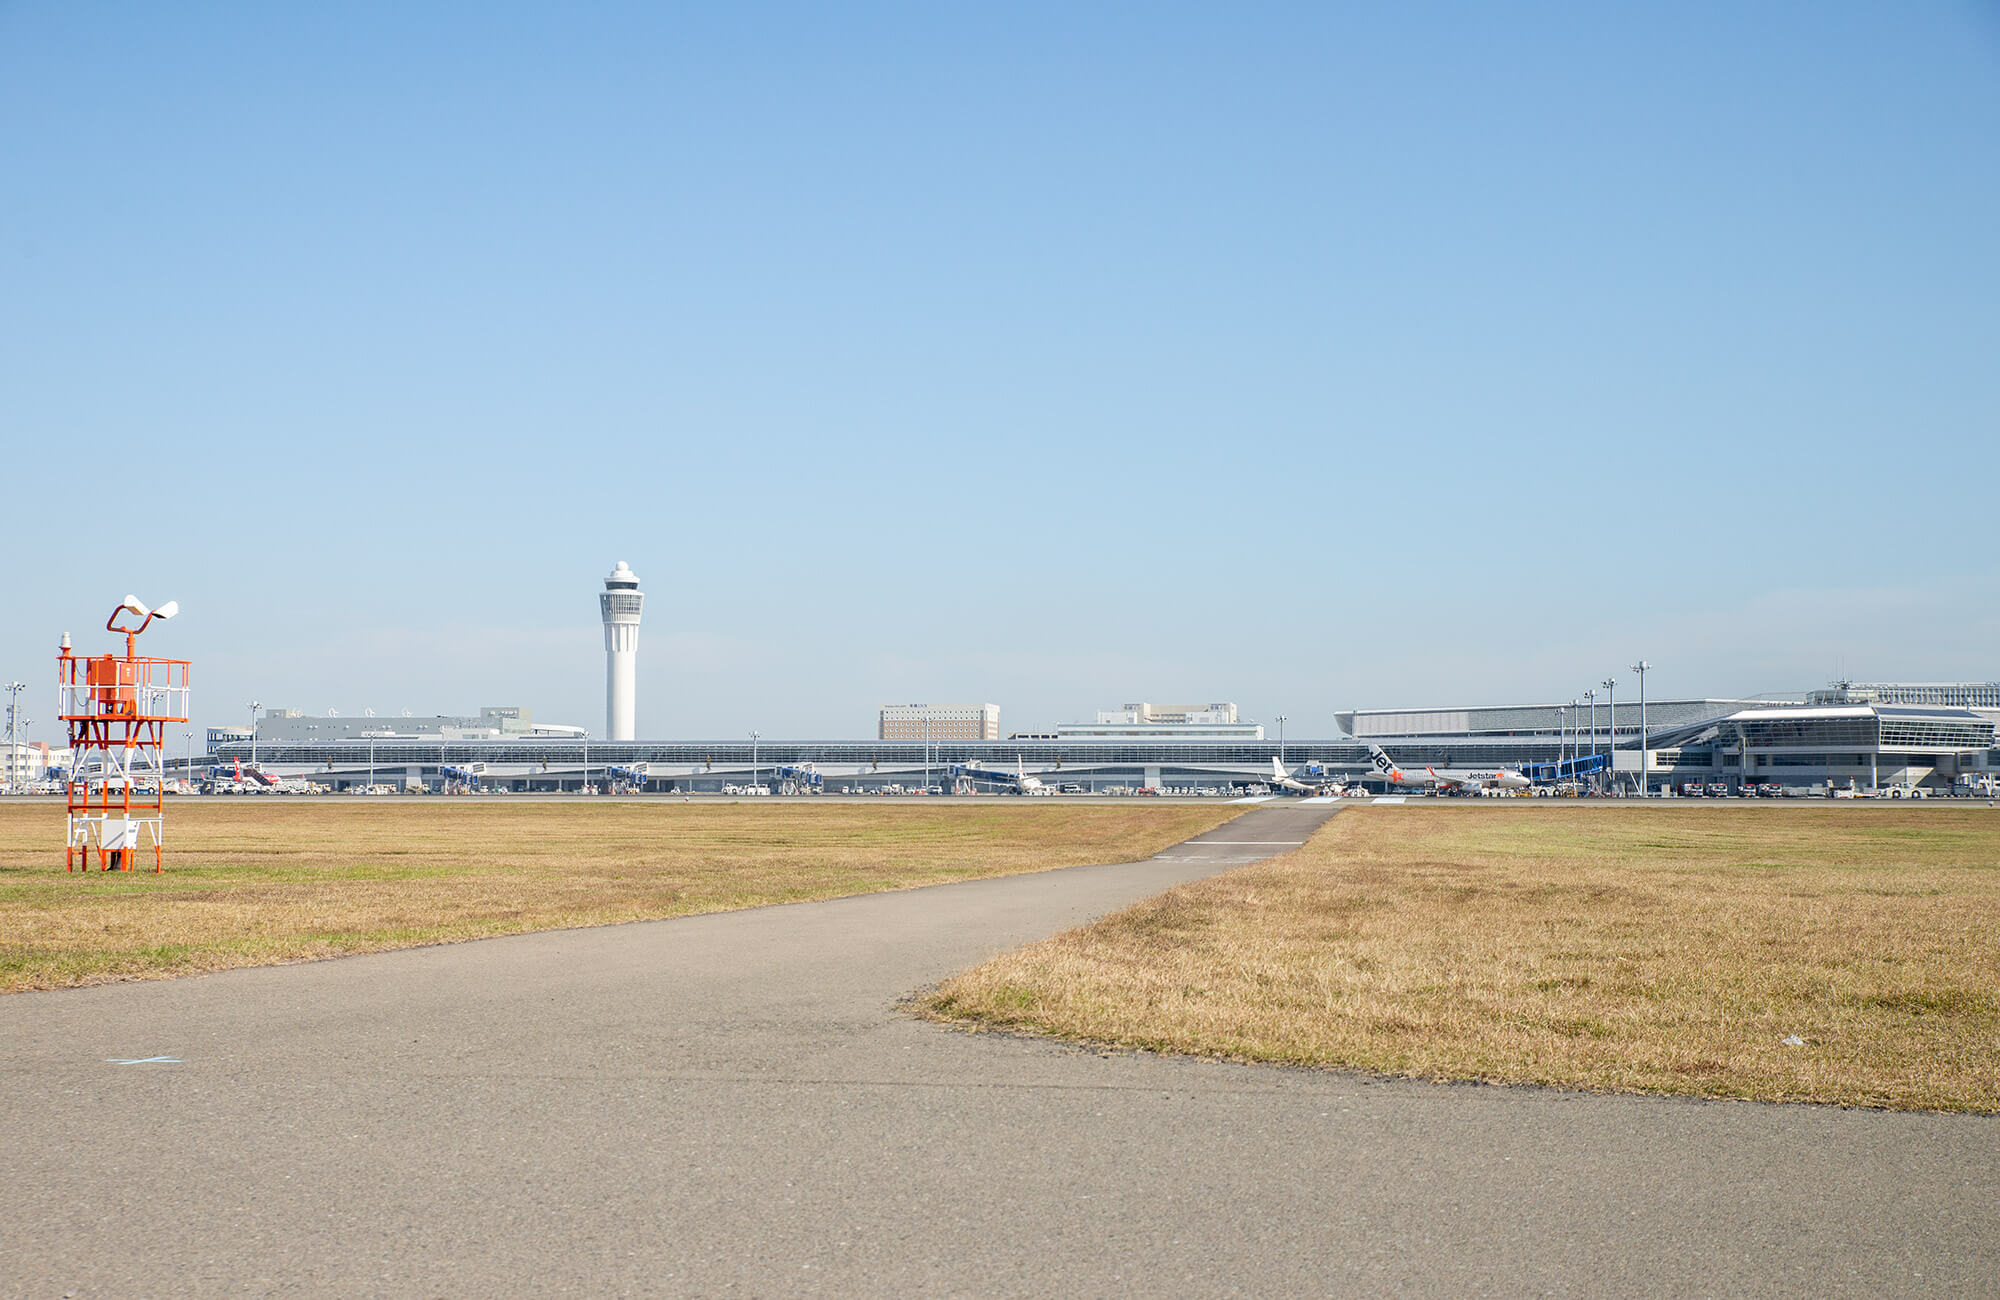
[1277, 768]
[1384, 765]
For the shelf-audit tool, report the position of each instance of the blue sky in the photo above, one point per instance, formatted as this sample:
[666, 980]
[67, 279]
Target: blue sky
[1309, 356]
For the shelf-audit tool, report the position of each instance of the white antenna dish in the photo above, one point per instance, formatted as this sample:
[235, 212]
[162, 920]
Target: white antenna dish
[333, 713]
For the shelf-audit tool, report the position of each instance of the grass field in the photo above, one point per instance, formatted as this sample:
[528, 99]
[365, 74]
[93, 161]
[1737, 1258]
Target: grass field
[252, 882]
[1621, 948]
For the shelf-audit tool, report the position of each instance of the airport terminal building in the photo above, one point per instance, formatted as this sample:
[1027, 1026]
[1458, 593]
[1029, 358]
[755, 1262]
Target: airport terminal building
[1708, 742]
[1858, 746]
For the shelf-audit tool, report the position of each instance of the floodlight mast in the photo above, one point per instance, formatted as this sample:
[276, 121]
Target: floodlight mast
[1645, 749]
[1611, 730]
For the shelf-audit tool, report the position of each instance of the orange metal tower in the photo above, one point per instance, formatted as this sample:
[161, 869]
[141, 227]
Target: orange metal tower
[117, 711]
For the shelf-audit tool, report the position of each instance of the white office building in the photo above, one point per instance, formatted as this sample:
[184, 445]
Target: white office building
[1217, 721]
[24, 762]
[938, 722]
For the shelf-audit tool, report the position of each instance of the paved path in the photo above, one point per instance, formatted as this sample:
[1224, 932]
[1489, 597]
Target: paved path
[732, 1104]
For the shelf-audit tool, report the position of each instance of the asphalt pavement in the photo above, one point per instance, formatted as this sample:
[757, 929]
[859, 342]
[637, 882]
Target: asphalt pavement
[735, 1104]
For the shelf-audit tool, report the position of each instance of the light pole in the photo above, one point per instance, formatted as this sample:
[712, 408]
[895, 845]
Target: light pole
[1611, 729]
[189, 737]
[927, 753]
[754, 738]
[371, 765]
[586, 762]
[1281, 740]
[1590, 697]
[1562, 737]
[14, 690]
[253, 706]
[1644, 749]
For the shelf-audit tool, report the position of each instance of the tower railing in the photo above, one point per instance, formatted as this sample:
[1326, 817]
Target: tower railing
[116, 709]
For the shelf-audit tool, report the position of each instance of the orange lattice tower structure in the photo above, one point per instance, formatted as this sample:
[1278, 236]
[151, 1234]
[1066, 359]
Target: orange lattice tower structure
[117, 711]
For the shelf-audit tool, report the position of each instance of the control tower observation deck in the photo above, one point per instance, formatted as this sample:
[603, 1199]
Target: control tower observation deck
[621, 602]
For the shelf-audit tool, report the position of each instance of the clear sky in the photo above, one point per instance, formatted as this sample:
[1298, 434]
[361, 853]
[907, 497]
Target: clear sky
[1311, 356]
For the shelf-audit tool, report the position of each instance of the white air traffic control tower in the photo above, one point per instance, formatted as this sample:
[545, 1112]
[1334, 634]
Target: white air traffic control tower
[621, 602]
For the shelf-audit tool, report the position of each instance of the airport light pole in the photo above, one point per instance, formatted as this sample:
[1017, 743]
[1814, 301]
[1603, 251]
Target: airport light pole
[927, 753]
[1645, 749]
[1562, 736]
[254, 706]
[1611, 727]
[1281, 740]
[1590, 697]
[14, 690]
[754, 738]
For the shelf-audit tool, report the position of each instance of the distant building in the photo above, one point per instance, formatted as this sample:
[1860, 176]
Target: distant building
[1863, 746]
[938, 722]
[1163, 721]
[1950, 695]
[292, 727]
[26, 761]
[1506, 724]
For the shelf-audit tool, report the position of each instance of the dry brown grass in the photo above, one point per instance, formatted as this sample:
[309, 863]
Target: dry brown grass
[254, 882]
[1622, 948]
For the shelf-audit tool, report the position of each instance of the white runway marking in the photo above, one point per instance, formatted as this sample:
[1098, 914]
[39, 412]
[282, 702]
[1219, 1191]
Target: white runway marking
[1255, 798]
[145, 1060]
[1320, 798]
[1390, 798]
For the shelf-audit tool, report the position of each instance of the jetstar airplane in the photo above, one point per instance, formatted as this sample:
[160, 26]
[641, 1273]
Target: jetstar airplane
[1498, 778]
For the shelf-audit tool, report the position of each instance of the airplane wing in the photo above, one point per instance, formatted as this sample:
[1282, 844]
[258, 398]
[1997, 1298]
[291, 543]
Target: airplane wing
[1448, 782]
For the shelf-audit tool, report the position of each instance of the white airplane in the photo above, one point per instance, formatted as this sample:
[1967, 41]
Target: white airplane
[1018, 780]
[1284, 781]
[1498, 778]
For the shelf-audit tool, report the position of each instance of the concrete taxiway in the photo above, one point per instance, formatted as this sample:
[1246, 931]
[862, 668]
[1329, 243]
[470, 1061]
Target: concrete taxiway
[733, 1103]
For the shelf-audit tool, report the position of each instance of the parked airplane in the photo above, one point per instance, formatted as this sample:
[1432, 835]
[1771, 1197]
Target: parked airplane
[1450, 779]
[1017, 781]
[1285, 781]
